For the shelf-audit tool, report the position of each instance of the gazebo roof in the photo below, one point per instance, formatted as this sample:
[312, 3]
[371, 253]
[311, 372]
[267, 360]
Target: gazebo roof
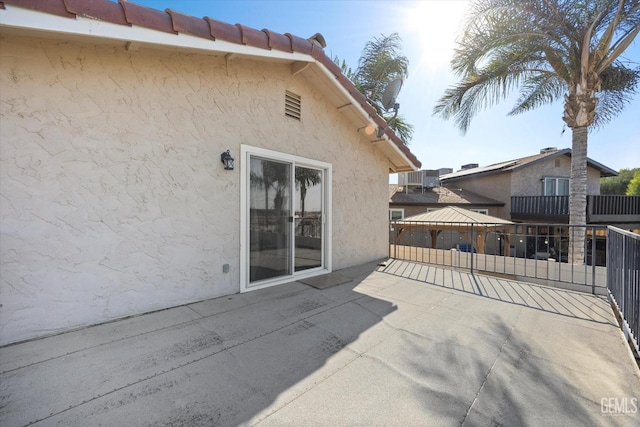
[454, 214]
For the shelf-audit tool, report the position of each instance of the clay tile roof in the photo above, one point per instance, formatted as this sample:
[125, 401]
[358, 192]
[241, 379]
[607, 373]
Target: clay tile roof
[278, 41]
[189, 24]
[49, 6]
[110, 12]
[145, 17]
[169, 21]
[223, 31]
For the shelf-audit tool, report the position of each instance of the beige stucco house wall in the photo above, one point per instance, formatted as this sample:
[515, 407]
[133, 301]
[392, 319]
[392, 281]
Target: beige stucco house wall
[113, 198]
[527, 181]
[494, 186]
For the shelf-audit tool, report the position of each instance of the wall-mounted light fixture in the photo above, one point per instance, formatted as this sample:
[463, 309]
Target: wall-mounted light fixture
[227, 160]
[368, 129]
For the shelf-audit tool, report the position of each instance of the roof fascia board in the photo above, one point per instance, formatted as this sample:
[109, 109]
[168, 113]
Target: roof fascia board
[551, 156]
[366, 116]
[474, 175]
[17, 17]
[603, 168]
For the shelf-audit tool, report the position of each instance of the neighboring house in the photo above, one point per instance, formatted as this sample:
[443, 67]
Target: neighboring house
[536, 189]
[407, 201]
[453, 227]
[114, 198]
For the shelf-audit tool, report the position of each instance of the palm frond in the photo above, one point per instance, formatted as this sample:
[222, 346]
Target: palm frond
[400, 126]
[346, 70]
[541, 89]
[381, 62]
[543, 47]
[506, 70]
[619, 85]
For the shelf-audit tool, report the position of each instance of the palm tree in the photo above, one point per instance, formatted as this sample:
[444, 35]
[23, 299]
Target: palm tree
[549, 50]
[304, 178]
[267, 175]
[381, 62]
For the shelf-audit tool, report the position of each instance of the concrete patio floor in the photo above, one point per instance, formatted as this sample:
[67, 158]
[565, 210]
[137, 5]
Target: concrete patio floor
[404, 344]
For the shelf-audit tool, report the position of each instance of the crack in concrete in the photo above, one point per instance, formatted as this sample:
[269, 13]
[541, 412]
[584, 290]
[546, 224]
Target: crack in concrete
[486, 377]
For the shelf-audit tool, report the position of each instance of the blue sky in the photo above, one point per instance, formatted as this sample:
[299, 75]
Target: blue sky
[428, 30]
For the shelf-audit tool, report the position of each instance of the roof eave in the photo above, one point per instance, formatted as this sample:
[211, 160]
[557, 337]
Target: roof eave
[83, 27]
[80, 26]
[403, 161]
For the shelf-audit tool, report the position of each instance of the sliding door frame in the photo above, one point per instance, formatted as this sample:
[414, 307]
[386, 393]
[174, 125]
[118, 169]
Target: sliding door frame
[247, 152]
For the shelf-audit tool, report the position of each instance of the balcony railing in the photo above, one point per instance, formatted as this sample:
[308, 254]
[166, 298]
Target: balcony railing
[600, 209]
[613, 208]
[532, 252]
[536, 253]
[540, 206]
[623, 279]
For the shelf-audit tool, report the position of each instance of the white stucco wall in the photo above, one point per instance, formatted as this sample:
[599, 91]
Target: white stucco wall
[113, 200]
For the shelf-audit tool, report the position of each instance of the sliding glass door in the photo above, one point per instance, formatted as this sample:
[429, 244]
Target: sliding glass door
[308, 218]
[269, 216]
[285, 217]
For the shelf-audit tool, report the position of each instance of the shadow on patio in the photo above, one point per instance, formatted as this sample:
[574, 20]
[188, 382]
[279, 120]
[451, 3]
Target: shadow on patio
[383, 349]
[215, 362]
[553, 300]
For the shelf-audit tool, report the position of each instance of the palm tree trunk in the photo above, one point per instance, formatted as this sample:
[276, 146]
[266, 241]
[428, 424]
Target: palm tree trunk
[303, 195]
[578, 195]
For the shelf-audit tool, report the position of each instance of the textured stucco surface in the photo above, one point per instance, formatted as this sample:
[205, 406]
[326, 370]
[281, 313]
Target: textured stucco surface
[527, 181]
[495, 186]
[113, 201]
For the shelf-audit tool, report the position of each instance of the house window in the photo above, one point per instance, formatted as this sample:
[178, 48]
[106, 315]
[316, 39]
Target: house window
[554, 186]
[396, 214]
[292, 105]
[481, 211]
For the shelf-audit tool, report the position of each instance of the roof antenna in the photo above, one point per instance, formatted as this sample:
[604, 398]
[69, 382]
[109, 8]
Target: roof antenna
[389, 102]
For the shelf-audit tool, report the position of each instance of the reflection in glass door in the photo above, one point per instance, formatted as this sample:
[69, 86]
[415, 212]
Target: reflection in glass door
[269, 219]
[285, 219]
[308, 218]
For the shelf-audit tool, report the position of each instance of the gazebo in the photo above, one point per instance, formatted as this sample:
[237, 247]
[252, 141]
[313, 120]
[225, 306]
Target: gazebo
[473, 226]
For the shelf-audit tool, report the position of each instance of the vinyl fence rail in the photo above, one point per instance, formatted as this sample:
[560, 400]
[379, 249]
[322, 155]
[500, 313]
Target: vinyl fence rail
[623, 279]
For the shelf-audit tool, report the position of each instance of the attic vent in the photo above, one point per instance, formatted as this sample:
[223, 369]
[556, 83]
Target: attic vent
[292, 105]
